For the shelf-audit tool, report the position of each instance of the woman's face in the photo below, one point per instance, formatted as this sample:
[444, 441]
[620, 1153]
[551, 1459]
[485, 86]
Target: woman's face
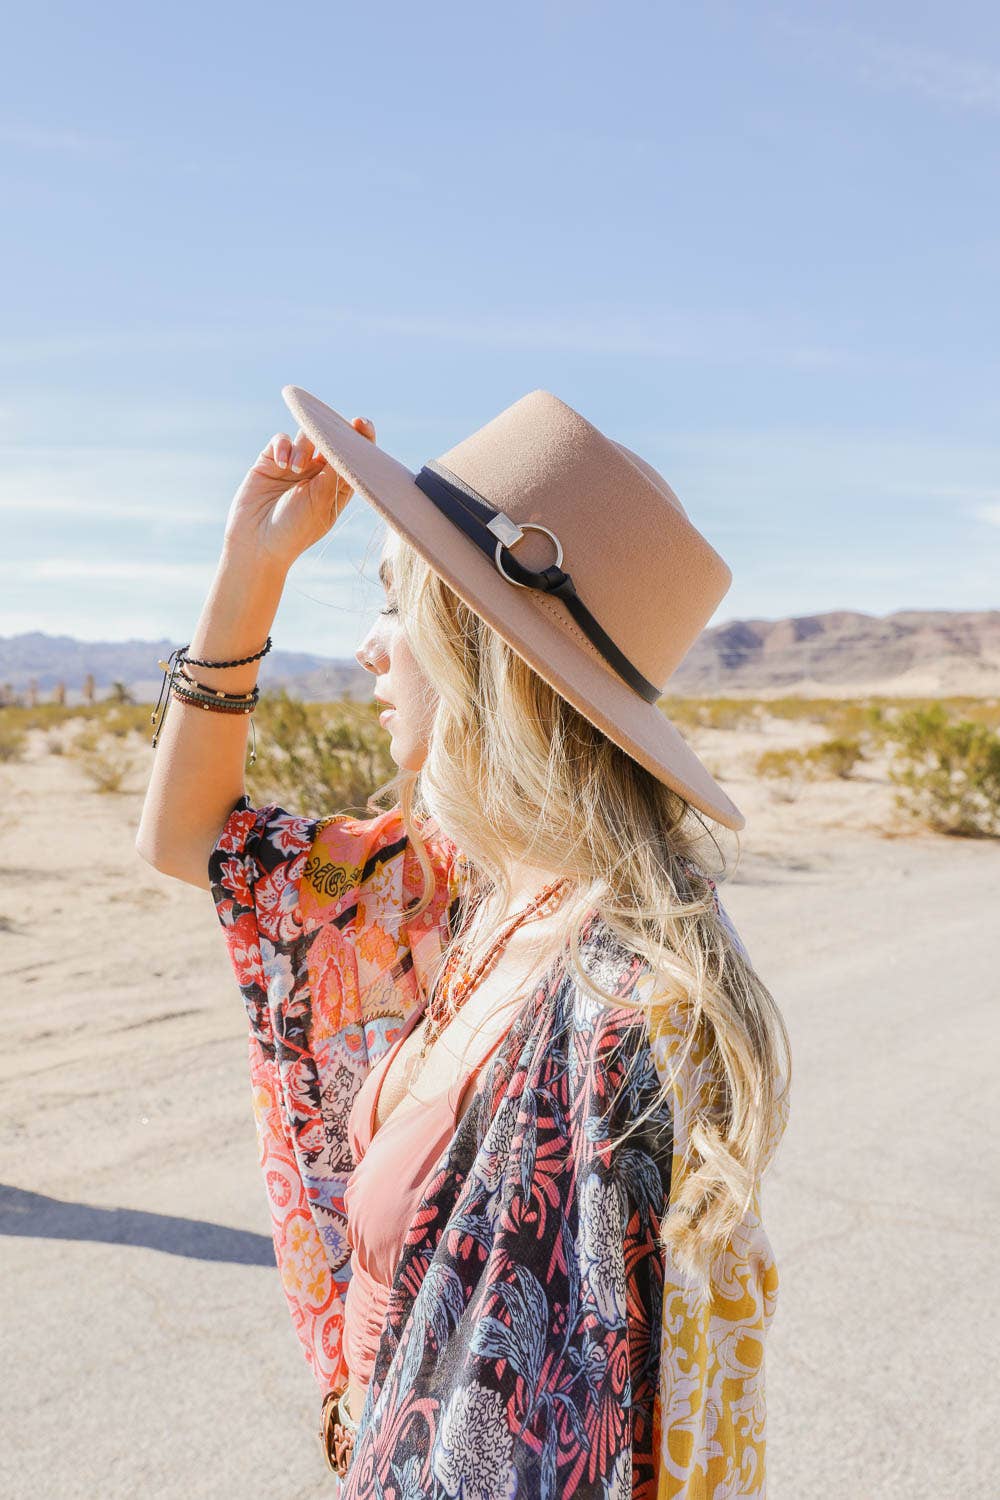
[399, 681]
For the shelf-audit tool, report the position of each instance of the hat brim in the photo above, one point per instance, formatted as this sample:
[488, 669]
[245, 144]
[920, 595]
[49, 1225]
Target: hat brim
[517, 614]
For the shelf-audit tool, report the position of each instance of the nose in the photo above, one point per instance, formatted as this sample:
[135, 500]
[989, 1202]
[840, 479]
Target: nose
[369, 654]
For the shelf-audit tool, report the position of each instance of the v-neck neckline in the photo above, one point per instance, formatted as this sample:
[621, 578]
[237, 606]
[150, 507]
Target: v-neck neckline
[549, 978]
[411, 1025]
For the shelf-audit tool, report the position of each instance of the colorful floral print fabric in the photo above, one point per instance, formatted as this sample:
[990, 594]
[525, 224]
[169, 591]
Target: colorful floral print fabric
[539, 1342]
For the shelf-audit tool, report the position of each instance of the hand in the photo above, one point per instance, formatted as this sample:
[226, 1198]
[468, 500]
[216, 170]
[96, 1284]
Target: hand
[288, 500]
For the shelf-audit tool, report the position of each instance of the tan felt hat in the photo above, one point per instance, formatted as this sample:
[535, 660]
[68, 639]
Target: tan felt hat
[572, 547]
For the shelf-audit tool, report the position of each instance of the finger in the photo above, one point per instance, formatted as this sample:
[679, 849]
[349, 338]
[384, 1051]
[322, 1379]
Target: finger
[301, 452]
[312, 456]
[313, 462]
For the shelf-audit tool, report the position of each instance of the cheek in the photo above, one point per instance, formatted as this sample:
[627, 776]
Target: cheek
[419, 706]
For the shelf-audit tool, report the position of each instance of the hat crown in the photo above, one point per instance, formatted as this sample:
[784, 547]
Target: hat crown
[644, 571]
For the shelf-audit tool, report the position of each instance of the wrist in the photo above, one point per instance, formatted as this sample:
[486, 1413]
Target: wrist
[251, 564]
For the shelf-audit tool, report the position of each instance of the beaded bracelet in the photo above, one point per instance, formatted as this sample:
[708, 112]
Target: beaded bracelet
[203, 687]
[217, 700]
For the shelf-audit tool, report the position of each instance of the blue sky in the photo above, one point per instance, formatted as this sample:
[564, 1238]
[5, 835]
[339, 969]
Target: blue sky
[758, 244]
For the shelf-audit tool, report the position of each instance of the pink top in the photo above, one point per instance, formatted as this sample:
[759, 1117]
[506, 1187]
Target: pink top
[392, 1170]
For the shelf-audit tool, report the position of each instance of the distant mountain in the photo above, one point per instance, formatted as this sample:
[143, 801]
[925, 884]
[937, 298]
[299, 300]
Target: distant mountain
[50, 659]
[844, 653]
[839, 654]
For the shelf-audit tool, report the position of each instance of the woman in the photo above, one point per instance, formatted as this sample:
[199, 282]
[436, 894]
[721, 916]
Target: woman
[515, 1078]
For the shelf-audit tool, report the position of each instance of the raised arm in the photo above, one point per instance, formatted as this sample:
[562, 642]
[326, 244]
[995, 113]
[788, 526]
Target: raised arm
[290, 498]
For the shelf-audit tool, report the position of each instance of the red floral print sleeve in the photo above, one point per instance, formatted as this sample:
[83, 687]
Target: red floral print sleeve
[329, 969]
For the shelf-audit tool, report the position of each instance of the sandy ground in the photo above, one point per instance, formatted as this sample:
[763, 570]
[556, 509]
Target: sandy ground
[147, 1348]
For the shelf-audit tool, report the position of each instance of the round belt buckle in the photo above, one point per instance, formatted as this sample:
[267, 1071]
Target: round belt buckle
[336, 1434]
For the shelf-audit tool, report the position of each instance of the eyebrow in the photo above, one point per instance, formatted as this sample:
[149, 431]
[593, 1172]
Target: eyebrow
[385, 572]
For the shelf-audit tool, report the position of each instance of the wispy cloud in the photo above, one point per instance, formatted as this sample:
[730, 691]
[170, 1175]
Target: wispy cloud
[150, 486]
[134, 339]
[778, 464]
[69, 141]
[988, 513]
[152, 570]
[87, 509]
[965, 83]
[109, 570]
[967, 493]
[703, 336]
[959, 81]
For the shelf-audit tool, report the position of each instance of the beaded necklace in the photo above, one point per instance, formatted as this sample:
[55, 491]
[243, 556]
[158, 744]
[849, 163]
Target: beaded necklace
[453, 987]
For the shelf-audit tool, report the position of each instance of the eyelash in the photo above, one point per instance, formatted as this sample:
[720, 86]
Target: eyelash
[390, 609]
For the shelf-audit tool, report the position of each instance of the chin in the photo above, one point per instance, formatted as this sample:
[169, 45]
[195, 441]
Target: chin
[408, 757]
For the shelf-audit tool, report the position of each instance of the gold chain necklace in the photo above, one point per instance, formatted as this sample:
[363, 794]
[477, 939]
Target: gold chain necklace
[452, 989]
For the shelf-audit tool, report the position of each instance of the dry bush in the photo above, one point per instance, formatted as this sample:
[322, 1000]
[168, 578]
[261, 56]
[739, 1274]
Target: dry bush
[836, 757]
[13, 737]
[979, 710]
[786, 770]
[948, 771]
[711, 713]
[104, 759]
[46, 715]
[844, 717]
[833, 758]
[320, 757]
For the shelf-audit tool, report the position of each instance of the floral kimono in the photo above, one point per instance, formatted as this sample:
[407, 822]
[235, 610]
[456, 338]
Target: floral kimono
[539, 1342]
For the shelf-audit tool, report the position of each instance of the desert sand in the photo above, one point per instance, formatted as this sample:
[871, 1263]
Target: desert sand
[147, 1346]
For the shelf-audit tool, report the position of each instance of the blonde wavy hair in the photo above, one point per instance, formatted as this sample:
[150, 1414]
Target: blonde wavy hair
[513, 770]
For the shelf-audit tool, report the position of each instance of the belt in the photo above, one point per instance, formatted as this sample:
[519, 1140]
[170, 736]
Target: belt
[337, 1432]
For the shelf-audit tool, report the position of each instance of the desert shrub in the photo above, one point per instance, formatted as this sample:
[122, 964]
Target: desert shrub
[847, 718]
[809, 710]
[786, 770]
[104, 762]
[121, 720]
[320, 758]
[775, 765]
[948, 771]
[874, 726]
[711, 713]
[836, 757]
[727, 713]
[49, 716]
[982, 711]
[86, 740]
[858, 720]
[43, 715]
[13, 738]
[790, 769]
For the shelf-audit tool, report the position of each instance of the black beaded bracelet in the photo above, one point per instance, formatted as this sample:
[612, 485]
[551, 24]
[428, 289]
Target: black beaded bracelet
[239, 661]
[253, 693]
